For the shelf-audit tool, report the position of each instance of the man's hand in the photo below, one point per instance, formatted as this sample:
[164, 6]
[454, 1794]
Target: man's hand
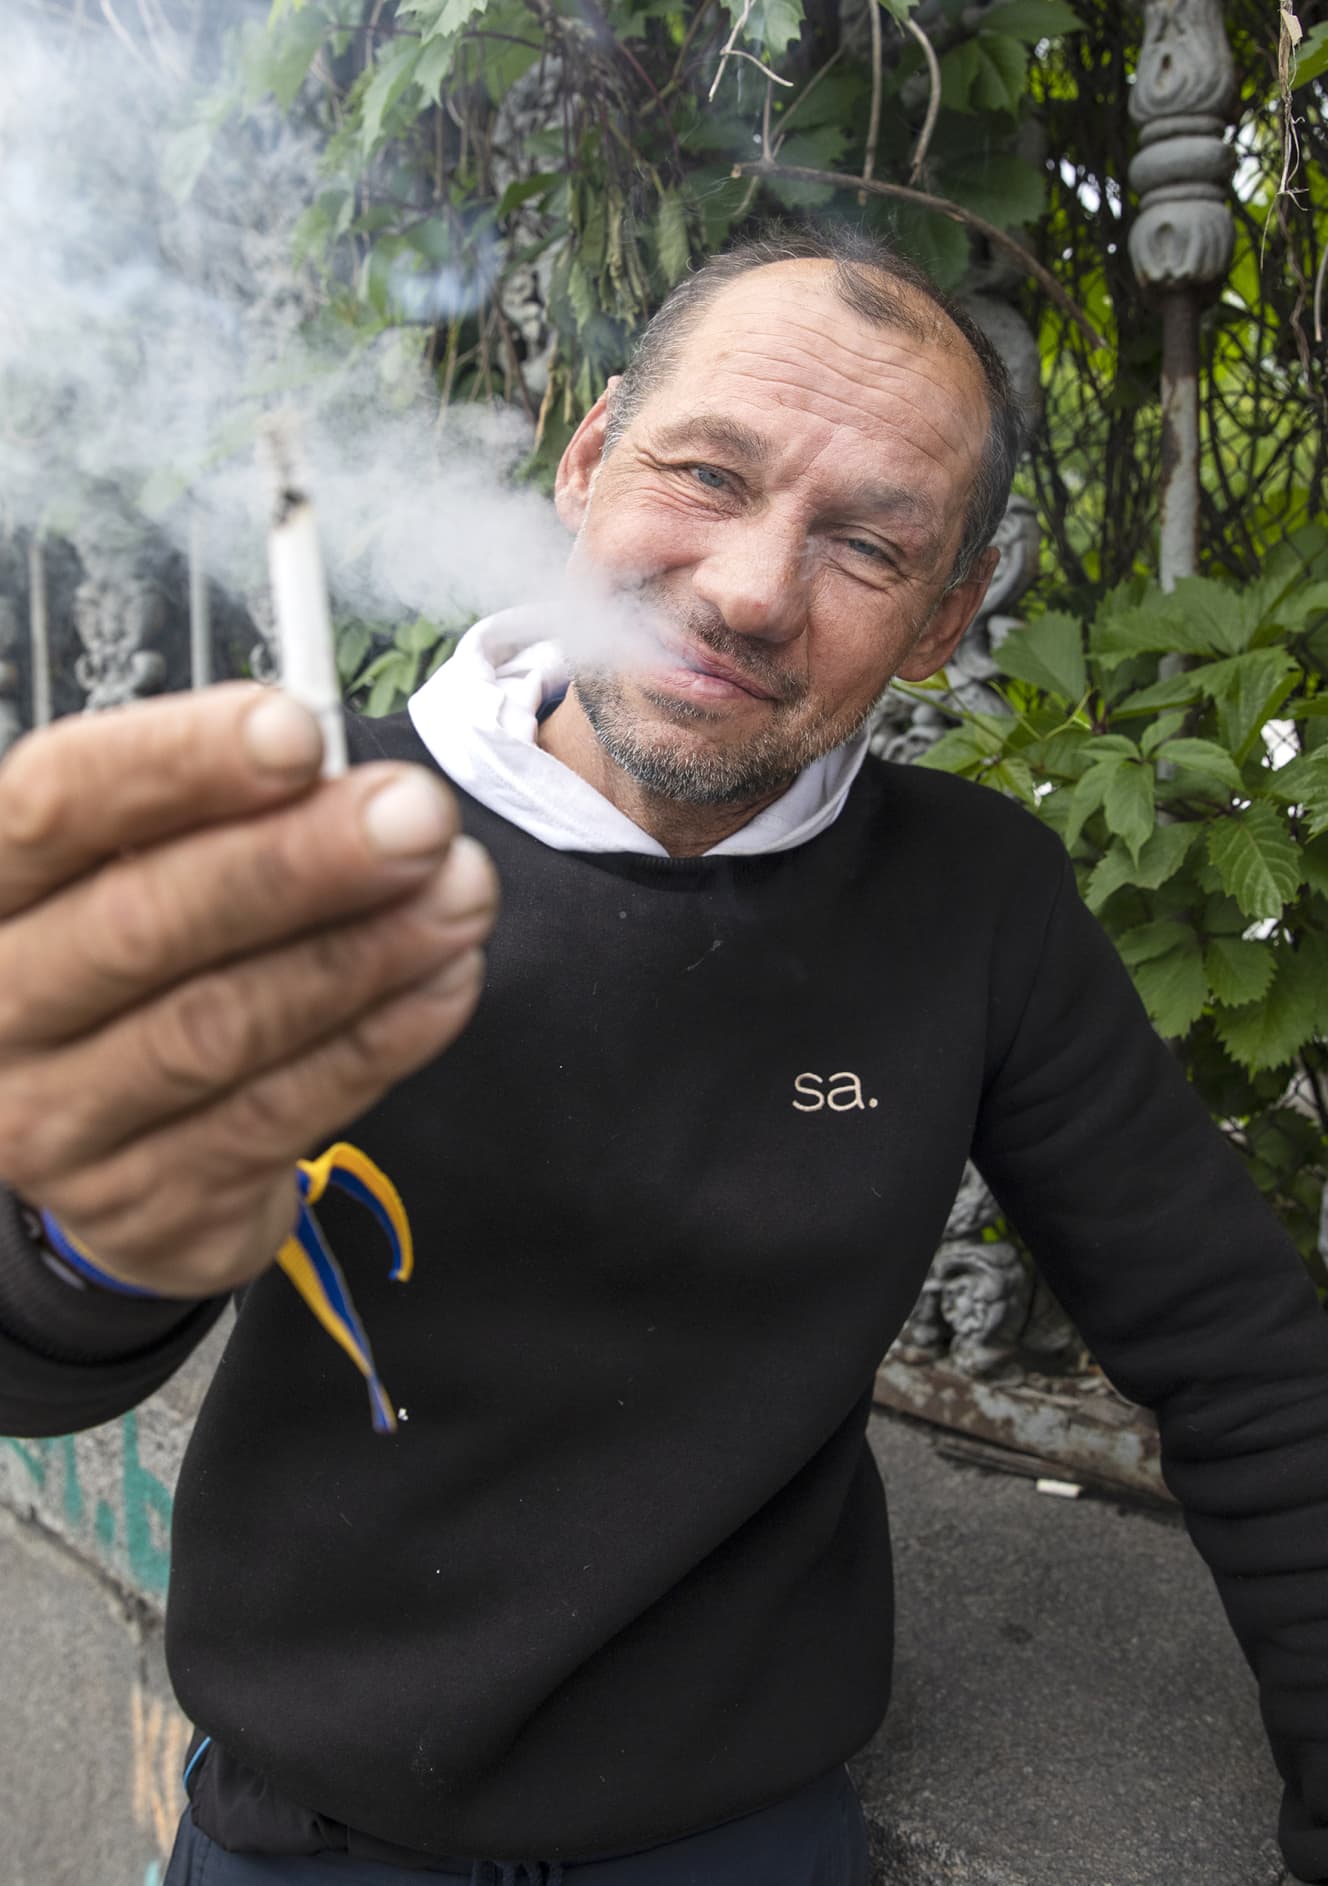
[209, 963]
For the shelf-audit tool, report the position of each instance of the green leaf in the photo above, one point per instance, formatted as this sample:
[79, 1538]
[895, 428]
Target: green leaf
[1163, 855]
[772, 25]
[292, 44]
[1270, 1032]
[1005, 188]
[1174, 691]
[820, 148]
[1256, 859]
[440, 17]
[1149, 628]
[353, 643]
[1129, 805]
[1303, 783]
[581, 295]
[393, 72]
[1162, 729]
[1239, 969]
[434, 68]
[1112, 873]
[417, 637]
[1174, 986]
[959, 71]
[1225, 618]
[1048, 652]
[899, 9]
[1032, 20]
[1311, 56]
[1247, 691]
[671, 237]
[1314, 864]
[962, 749]
[1148, 940]
[1205, 758]
[1002, 73]
[521, 190]
[1086, 798]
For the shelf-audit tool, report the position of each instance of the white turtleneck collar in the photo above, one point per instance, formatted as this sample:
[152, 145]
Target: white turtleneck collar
[478, 716]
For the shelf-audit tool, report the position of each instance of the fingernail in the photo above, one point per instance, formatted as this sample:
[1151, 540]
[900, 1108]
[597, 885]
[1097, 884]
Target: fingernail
[468, 875]
[282, 736]
[408, 818]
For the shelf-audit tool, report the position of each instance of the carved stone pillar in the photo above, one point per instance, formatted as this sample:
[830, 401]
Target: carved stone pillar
[1182, 239]
[118, 611]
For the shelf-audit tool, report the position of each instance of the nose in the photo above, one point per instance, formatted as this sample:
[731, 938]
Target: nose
[755, 576]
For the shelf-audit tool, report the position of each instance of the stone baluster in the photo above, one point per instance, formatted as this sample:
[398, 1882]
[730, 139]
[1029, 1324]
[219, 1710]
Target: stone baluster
[10, 725]
[39, 631]
[1182, 239]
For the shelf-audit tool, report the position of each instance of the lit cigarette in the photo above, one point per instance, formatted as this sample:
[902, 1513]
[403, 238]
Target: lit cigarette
[299, 592]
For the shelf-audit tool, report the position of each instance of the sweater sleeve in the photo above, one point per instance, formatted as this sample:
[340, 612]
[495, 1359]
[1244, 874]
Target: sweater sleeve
[74, 1357]
[1195, 1303]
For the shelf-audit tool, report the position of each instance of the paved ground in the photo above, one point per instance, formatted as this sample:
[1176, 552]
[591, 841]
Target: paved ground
[1071, 1709]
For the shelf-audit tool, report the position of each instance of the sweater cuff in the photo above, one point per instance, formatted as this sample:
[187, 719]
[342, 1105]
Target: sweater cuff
[64, 1319]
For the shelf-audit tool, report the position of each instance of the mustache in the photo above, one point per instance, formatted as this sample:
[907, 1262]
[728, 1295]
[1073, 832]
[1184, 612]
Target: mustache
[707, 630]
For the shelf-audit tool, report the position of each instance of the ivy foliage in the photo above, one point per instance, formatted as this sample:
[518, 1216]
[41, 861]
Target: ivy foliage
[1179, 744]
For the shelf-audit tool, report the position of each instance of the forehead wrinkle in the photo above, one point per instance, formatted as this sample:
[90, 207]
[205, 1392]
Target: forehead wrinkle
[838, 411]
[877, 354]
[751, 363]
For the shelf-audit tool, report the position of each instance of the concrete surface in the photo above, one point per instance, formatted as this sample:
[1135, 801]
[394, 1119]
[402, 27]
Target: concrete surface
[1070, 1708]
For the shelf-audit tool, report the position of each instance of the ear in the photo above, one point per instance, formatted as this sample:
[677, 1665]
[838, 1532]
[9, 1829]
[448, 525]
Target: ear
[580, 461]
[945, 628]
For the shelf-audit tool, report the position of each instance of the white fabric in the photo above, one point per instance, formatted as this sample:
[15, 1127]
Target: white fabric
[478, 717]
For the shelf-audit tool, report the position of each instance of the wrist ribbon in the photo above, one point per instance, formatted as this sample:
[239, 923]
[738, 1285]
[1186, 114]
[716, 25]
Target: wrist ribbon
[306, 1258]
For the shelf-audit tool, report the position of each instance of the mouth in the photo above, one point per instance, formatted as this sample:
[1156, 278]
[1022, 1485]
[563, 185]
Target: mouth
[707, 676]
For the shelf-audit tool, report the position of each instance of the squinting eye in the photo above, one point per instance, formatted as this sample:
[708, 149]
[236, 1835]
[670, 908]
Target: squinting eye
[866, 549]
[706, 473]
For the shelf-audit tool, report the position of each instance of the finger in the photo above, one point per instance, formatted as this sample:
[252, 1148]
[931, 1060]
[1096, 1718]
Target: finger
[91, 785]
[141, 923]
[80, 1103]
[175, 1211]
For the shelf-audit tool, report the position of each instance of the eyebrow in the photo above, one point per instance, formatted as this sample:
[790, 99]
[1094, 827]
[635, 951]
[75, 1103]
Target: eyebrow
[869, 498]
[728, 435]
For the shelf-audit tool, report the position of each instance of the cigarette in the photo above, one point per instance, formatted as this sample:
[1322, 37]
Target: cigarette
[299, 591]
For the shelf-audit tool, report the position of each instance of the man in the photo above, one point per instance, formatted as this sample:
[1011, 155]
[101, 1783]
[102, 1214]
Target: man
[613, 1605]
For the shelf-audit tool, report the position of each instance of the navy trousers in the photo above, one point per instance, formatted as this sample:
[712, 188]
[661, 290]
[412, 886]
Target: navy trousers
[816, 1837]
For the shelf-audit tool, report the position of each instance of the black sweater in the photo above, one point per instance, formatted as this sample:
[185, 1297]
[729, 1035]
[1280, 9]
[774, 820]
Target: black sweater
[624, 1572]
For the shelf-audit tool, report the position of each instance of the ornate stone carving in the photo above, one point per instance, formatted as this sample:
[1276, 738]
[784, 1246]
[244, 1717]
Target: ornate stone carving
[975, 1301]
[1183, 235]
[264, 660]
[118, 610]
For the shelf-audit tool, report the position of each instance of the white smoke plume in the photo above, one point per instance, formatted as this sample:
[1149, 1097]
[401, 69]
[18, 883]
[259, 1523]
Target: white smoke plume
[142, 335]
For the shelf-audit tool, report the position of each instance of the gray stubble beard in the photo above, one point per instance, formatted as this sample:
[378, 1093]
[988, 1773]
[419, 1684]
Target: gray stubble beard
[756, 769]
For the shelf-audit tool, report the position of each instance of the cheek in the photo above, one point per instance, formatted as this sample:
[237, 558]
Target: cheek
[627, 532]
[854, 645]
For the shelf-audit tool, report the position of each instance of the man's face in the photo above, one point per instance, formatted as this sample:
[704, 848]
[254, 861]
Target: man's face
[788, 503]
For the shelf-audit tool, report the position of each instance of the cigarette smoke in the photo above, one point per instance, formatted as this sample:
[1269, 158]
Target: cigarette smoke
[143, 334]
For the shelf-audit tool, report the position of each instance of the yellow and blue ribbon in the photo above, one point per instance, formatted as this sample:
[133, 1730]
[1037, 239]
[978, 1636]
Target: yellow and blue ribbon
[316, 1274]
[306, 1258]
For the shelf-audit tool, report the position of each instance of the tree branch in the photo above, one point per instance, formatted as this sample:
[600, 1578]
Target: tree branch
[942, 206]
